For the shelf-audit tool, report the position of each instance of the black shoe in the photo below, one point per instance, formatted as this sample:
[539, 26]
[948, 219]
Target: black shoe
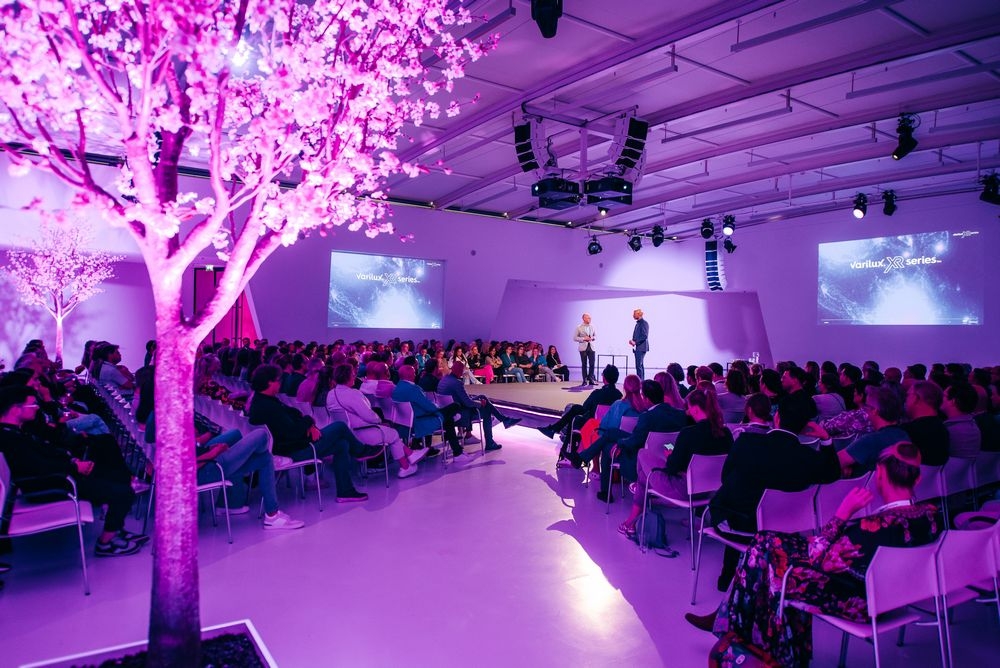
[548, 431]
[701, 622]
[4, 568]
[116, 547]
[137, 538]
[575, 459]
[432, 452]
[509, 422]
[606, 497]
[490, 447]
[722, 584]
[352, 496]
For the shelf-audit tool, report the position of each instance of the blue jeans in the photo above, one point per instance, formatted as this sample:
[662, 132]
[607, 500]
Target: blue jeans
[89, 424]
[244, 456]
[640, 369]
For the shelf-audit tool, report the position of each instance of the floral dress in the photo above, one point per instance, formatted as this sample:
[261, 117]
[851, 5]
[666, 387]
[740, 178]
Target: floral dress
[828, 575]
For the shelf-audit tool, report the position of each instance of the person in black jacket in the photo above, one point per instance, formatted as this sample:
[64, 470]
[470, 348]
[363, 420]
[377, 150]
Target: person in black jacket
[775, 460]
[605, 395]
[293, 432]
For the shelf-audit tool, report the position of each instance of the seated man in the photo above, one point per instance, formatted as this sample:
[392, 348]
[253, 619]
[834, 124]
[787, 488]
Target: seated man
[108, 368]
[926, 428]
[426, 416]
[605, 395]
[293, 432]
[884, 410]
[964, 437]
[30, 458]
[451, 386]
[775, 460]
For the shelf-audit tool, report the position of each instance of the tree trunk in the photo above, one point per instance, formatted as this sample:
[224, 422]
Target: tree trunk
[59, 341]
[174, 624]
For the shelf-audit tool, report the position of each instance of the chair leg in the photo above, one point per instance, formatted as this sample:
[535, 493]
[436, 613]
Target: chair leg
[697, 559]
[901, 638]
[642, 519]
[944, 633]
[691, 529]
[319, 488]
[225, 506]
[83, 551]
[843, 650]
[215, 520]
[878, 662]
[385, 455]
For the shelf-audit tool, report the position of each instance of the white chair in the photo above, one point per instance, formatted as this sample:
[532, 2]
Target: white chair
[627, 425]
[987, 468]
[897, 578]
[340, 415]
[830, 495]
[442, 400]
[25, 518]
[401, 413]
[208, 488]
[315, 462]
[965, 559]
[704, 476]
[787, 512]
[657, 440]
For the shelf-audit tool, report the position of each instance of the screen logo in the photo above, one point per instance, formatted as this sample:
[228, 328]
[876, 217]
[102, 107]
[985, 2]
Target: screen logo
[889, 263]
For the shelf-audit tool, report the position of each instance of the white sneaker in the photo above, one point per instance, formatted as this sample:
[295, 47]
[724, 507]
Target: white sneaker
[281, 520]
[416, 455]
[238, 510]
[406, 473]
[281, 463]
[463, 458]
[471, 440]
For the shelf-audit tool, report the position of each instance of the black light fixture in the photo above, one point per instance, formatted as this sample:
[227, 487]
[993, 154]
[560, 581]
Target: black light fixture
[991, 189]
[635, 242]
[594, 247]
[707, 229]
[889, 202]
[904, 128]
[860, 205]
[546, 14]
[728, 225]
[729, 245]
[657, 236]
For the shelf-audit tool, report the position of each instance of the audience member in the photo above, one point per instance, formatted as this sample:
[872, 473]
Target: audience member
[605, 395]
[451, 386]
[925, 428]
[964, 437]
[884, 411]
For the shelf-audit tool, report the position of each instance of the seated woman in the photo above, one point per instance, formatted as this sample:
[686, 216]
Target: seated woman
[671, 392]
[458, 355]
[852, 422]
[631, 404]
[365, 423]
[829, 403]
[827, 570]
[541, 364]
[734, 400]
[553, 361]
[524, 361]
[707, 436]
[509, 364]
[479, 365]
[493, 361]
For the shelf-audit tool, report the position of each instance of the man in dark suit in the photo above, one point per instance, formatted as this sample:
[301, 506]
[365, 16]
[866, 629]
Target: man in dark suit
[481, 407]
[640, 342]
[426, 416]
[605, 395]
[775, 460]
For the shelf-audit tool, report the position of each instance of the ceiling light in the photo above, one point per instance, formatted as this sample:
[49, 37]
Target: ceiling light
[602, 211]
[707, 229]
[729, 245]
[889, 202]
[991, 189]
[905, 127]
[657, 236]
[635, 242]
[860, 205]
[546, 14]
[594, 247]
[728, 225]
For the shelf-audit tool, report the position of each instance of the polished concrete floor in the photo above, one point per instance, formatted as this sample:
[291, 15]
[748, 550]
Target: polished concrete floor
[503, 562]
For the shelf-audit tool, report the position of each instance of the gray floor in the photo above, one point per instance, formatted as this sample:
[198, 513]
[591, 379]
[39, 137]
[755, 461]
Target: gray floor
[505, 562]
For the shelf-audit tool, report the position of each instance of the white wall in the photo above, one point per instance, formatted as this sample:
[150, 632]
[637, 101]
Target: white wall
[779, 260]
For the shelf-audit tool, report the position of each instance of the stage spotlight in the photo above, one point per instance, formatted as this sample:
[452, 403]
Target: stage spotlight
[991, 189]
[707, 229]
[860, 205]
[657, 236]
[546, 14]
[729, 246]
[635, 243]
[594, 247]
[907, 122]
[728, 225]
[601, 210]
[889, 202]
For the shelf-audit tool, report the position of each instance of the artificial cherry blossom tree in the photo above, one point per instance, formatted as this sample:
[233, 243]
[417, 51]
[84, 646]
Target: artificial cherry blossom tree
[57, 272]
[292, 108]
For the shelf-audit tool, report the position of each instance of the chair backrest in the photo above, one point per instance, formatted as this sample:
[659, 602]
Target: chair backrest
[959, 475]
[841, 442]
[987, 468]
[402, 414]
[788, 512]
[829, 496]
[4, 482]
[601, 411]
[966, 558]
[704, 473]
[628, 424]
[302, 407]
[899, 576]
[930, 486]
[660, 439]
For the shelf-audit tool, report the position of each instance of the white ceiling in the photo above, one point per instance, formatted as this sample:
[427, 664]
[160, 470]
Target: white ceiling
[763, 110]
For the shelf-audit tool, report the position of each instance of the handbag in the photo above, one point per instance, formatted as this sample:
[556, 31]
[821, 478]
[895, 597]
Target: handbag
[731, 651]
